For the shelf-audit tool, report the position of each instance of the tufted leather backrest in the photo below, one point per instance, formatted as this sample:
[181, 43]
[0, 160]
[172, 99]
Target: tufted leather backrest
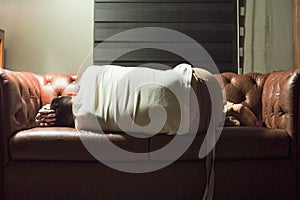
[279, 100]
[21, 93]
[245, 89]
[55, 85]
[19, 103]
[281, 103]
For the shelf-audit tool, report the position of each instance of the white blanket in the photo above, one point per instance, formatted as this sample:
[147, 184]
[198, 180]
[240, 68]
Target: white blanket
[133, 99]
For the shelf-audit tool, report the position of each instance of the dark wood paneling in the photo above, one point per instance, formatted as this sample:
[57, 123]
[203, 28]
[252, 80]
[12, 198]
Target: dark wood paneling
[224, 67]
[209, 22]
[201, 32]
[160, 1]
[163, 12]
[2, 48]
[219, 53]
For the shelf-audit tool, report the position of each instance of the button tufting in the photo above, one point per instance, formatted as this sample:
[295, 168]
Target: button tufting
[227, 80]
[73, 78]
[254, 81]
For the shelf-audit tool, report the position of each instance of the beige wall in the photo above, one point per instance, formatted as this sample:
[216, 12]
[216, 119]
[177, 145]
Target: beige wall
[47, 36]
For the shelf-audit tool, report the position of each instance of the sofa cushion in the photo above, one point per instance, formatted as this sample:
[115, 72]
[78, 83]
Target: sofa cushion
[253, 143]
[63, 143]
[237, 143]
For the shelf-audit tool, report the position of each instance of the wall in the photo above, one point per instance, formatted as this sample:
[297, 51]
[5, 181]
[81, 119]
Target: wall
[269, 35]
[47, 36]
[55, 36]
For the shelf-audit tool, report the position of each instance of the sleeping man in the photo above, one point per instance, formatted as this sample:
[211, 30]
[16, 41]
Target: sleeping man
[236, 115]
[59, 113]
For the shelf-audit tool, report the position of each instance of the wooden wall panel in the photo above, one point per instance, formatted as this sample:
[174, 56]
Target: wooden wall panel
[220, 52]
[163, 12]
[201, 32]
[1, 48]
[163, 1]
[209, 22]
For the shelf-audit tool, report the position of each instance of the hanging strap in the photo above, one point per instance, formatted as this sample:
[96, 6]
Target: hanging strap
[210, 176]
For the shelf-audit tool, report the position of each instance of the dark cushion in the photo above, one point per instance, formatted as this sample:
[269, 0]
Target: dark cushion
[237, 143]
[61, 143]
[65, 144]
[253, 143]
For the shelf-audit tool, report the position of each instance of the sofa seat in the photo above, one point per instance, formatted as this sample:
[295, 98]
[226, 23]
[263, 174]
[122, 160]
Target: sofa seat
[253, 143]
[65, 144]
[62, 143]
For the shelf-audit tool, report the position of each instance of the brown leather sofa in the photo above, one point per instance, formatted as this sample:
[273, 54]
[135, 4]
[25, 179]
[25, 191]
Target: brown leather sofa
[51, 163]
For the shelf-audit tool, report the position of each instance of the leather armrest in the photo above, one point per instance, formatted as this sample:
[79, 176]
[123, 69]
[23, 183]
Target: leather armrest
[281, 104]
[19, 103]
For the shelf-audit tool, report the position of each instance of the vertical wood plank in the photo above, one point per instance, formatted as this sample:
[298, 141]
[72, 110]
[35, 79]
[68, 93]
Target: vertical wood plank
[1, 48]
[235, 36]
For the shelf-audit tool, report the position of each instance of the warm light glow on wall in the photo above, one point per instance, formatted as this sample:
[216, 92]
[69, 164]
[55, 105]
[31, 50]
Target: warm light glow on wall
[47, 36]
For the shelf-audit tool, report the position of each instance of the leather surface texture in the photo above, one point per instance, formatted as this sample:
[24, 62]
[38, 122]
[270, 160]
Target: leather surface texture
[262, 162]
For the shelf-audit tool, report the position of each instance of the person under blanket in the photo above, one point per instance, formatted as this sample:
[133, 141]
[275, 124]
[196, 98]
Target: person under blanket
[236, 115]
[59, 113]
[178, 78]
